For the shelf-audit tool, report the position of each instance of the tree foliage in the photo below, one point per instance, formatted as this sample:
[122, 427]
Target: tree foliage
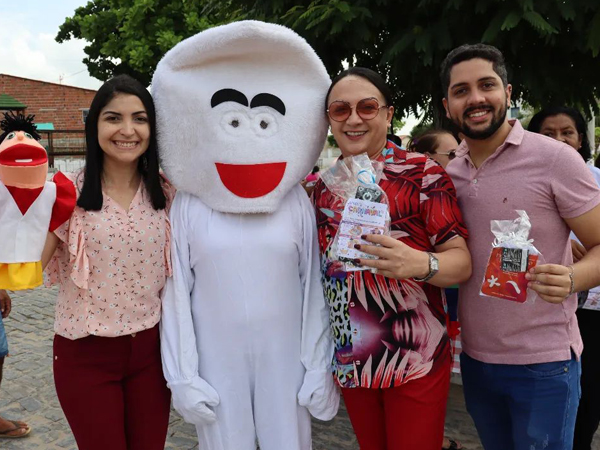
[552, 47]
[130, 36]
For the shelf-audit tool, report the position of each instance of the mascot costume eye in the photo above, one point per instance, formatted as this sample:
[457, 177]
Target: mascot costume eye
[30, 206]
[245, 328]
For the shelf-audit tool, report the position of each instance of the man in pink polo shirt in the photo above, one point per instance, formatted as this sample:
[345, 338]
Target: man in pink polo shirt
[520, 361]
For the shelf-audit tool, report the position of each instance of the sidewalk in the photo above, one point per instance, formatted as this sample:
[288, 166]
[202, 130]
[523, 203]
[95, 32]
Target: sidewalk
[27, 391]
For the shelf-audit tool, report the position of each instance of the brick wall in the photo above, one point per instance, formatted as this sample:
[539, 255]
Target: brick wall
[50, 102]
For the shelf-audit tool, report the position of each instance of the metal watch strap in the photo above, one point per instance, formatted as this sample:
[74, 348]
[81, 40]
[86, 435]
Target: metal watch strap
[432, 270]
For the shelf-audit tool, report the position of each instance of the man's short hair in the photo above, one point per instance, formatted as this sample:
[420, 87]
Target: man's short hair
[471, 51]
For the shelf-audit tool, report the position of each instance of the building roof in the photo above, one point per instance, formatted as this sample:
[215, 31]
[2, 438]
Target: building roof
[46, 82]
[10, 103]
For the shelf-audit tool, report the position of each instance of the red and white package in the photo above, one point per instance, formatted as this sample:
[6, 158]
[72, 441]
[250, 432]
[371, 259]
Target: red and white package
[513, 254]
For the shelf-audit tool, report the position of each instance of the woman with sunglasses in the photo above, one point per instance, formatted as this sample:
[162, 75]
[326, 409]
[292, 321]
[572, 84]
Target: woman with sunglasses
[392, 353]
[440, 145]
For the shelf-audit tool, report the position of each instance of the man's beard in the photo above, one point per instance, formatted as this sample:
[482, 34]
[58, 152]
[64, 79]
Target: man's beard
[497, 121]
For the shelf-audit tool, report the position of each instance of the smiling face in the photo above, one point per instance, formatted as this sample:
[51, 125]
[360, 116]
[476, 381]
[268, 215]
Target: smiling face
[562, 128]
[239, 115]
[23, 161]
[123, 129]
[356, 135]
[477, 100]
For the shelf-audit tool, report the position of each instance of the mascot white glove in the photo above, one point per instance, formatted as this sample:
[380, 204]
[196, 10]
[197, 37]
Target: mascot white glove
[195, 399]
[319, 394]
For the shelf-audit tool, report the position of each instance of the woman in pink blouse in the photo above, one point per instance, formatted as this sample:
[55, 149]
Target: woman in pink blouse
[111, 260]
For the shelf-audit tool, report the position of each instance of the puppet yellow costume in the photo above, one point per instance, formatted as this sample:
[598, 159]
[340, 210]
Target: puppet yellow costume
[30, 206]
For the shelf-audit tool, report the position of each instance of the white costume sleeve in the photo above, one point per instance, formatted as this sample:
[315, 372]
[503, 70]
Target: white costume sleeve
[192, 396]
[318, 392]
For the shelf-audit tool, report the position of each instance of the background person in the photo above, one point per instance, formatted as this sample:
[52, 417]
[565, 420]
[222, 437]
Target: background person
[313, 176]
[395, 389]
[111, 262]
[8, 428]
[567, 125]
[440, 145]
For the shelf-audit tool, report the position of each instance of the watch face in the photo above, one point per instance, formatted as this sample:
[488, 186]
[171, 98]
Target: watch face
[434, 264]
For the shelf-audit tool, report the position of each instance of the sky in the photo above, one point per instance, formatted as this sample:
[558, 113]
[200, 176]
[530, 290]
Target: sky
[28, 48]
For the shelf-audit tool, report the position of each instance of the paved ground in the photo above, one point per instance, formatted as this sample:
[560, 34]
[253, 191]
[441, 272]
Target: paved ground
[28, 391]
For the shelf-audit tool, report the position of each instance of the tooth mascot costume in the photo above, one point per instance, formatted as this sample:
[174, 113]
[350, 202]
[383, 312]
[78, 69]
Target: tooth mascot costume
[245, 335]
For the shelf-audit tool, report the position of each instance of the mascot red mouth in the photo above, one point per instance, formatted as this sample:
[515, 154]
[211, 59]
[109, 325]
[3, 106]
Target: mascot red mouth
[251, 180]
[23, 155]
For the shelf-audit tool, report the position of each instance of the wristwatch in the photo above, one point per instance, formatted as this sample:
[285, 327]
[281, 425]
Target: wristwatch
[434, 267]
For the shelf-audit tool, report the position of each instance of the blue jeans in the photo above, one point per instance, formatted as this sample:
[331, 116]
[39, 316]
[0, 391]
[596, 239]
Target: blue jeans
[522, 407]
[3, 340]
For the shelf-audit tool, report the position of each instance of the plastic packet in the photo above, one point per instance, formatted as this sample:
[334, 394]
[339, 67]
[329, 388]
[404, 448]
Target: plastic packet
[365, 206]
[513, 254]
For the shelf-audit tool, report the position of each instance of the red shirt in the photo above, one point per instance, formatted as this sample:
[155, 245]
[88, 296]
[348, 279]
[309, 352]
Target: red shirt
[386, 331]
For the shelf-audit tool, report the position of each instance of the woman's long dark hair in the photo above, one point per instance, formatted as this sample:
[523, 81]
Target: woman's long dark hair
[535, 125]
[90, 197]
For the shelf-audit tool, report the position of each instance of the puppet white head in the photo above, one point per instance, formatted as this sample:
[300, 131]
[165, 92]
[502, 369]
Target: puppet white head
[240, 114]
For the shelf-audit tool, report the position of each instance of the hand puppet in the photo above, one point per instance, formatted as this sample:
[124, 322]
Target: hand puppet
[30, 206]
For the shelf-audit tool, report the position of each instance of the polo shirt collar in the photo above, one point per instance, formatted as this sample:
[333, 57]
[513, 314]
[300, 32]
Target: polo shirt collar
[515, 137]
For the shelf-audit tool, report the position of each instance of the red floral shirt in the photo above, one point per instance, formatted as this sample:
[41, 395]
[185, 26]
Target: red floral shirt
[386, 331]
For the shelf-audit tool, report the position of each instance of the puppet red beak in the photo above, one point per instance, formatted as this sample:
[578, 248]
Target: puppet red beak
[23, 155]
[251, 180]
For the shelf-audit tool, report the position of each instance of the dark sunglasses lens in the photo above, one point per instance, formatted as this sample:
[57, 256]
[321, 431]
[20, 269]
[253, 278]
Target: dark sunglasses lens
[339, 111]
[367, 108]
[451, 154]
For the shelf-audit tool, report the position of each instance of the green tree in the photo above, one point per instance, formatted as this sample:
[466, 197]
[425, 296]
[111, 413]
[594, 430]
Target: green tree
[130, 36]
[551, 46]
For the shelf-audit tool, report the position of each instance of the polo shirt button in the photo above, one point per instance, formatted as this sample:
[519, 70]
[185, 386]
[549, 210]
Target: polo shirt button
[566, 369]
[351, 304]
[474, 181]
[133, 335]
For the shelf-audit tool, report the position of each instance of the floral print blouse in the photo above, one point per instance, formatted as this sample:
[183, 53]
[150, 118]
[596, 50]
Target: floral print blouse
[386, 331]
[111, 266]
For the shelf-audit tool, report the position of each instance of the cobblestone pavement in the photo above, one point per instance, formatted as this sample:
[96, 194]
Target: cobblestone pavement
[27, 391]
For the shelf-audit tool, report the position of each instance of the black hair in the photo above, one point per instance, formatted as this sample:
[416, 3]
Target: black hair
[472, 51]
[315, 169]
[90, 197]
[18, 122]
[427, 142]
[535, 125]
[370, 75]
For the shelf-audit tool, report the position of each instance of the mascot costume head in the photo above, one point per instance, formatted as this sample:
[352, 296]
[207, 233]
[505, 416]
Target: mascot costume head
[240, 114]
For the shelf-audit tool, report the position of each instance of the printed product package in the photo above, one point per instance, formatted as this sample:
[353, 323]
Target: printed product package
[512, 255]
[366, 206]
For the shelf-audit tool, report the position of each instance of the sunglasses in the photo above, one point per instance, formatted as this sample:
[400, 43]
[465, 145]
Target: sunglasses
[450, 154]
[367, 109]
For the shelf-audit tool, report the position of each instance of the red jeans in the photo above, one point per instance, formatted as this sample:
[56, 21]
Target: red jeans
[112, 391]
[408, 417]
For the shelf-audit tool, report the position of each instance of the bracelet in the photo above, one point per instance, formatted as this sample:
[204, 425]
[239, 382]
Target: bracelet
[571, 272]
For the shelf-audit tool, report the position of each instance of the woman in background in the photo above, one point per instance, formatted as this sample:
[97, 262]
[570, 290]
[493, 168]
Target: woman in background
[440, 145]
[567, 125]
